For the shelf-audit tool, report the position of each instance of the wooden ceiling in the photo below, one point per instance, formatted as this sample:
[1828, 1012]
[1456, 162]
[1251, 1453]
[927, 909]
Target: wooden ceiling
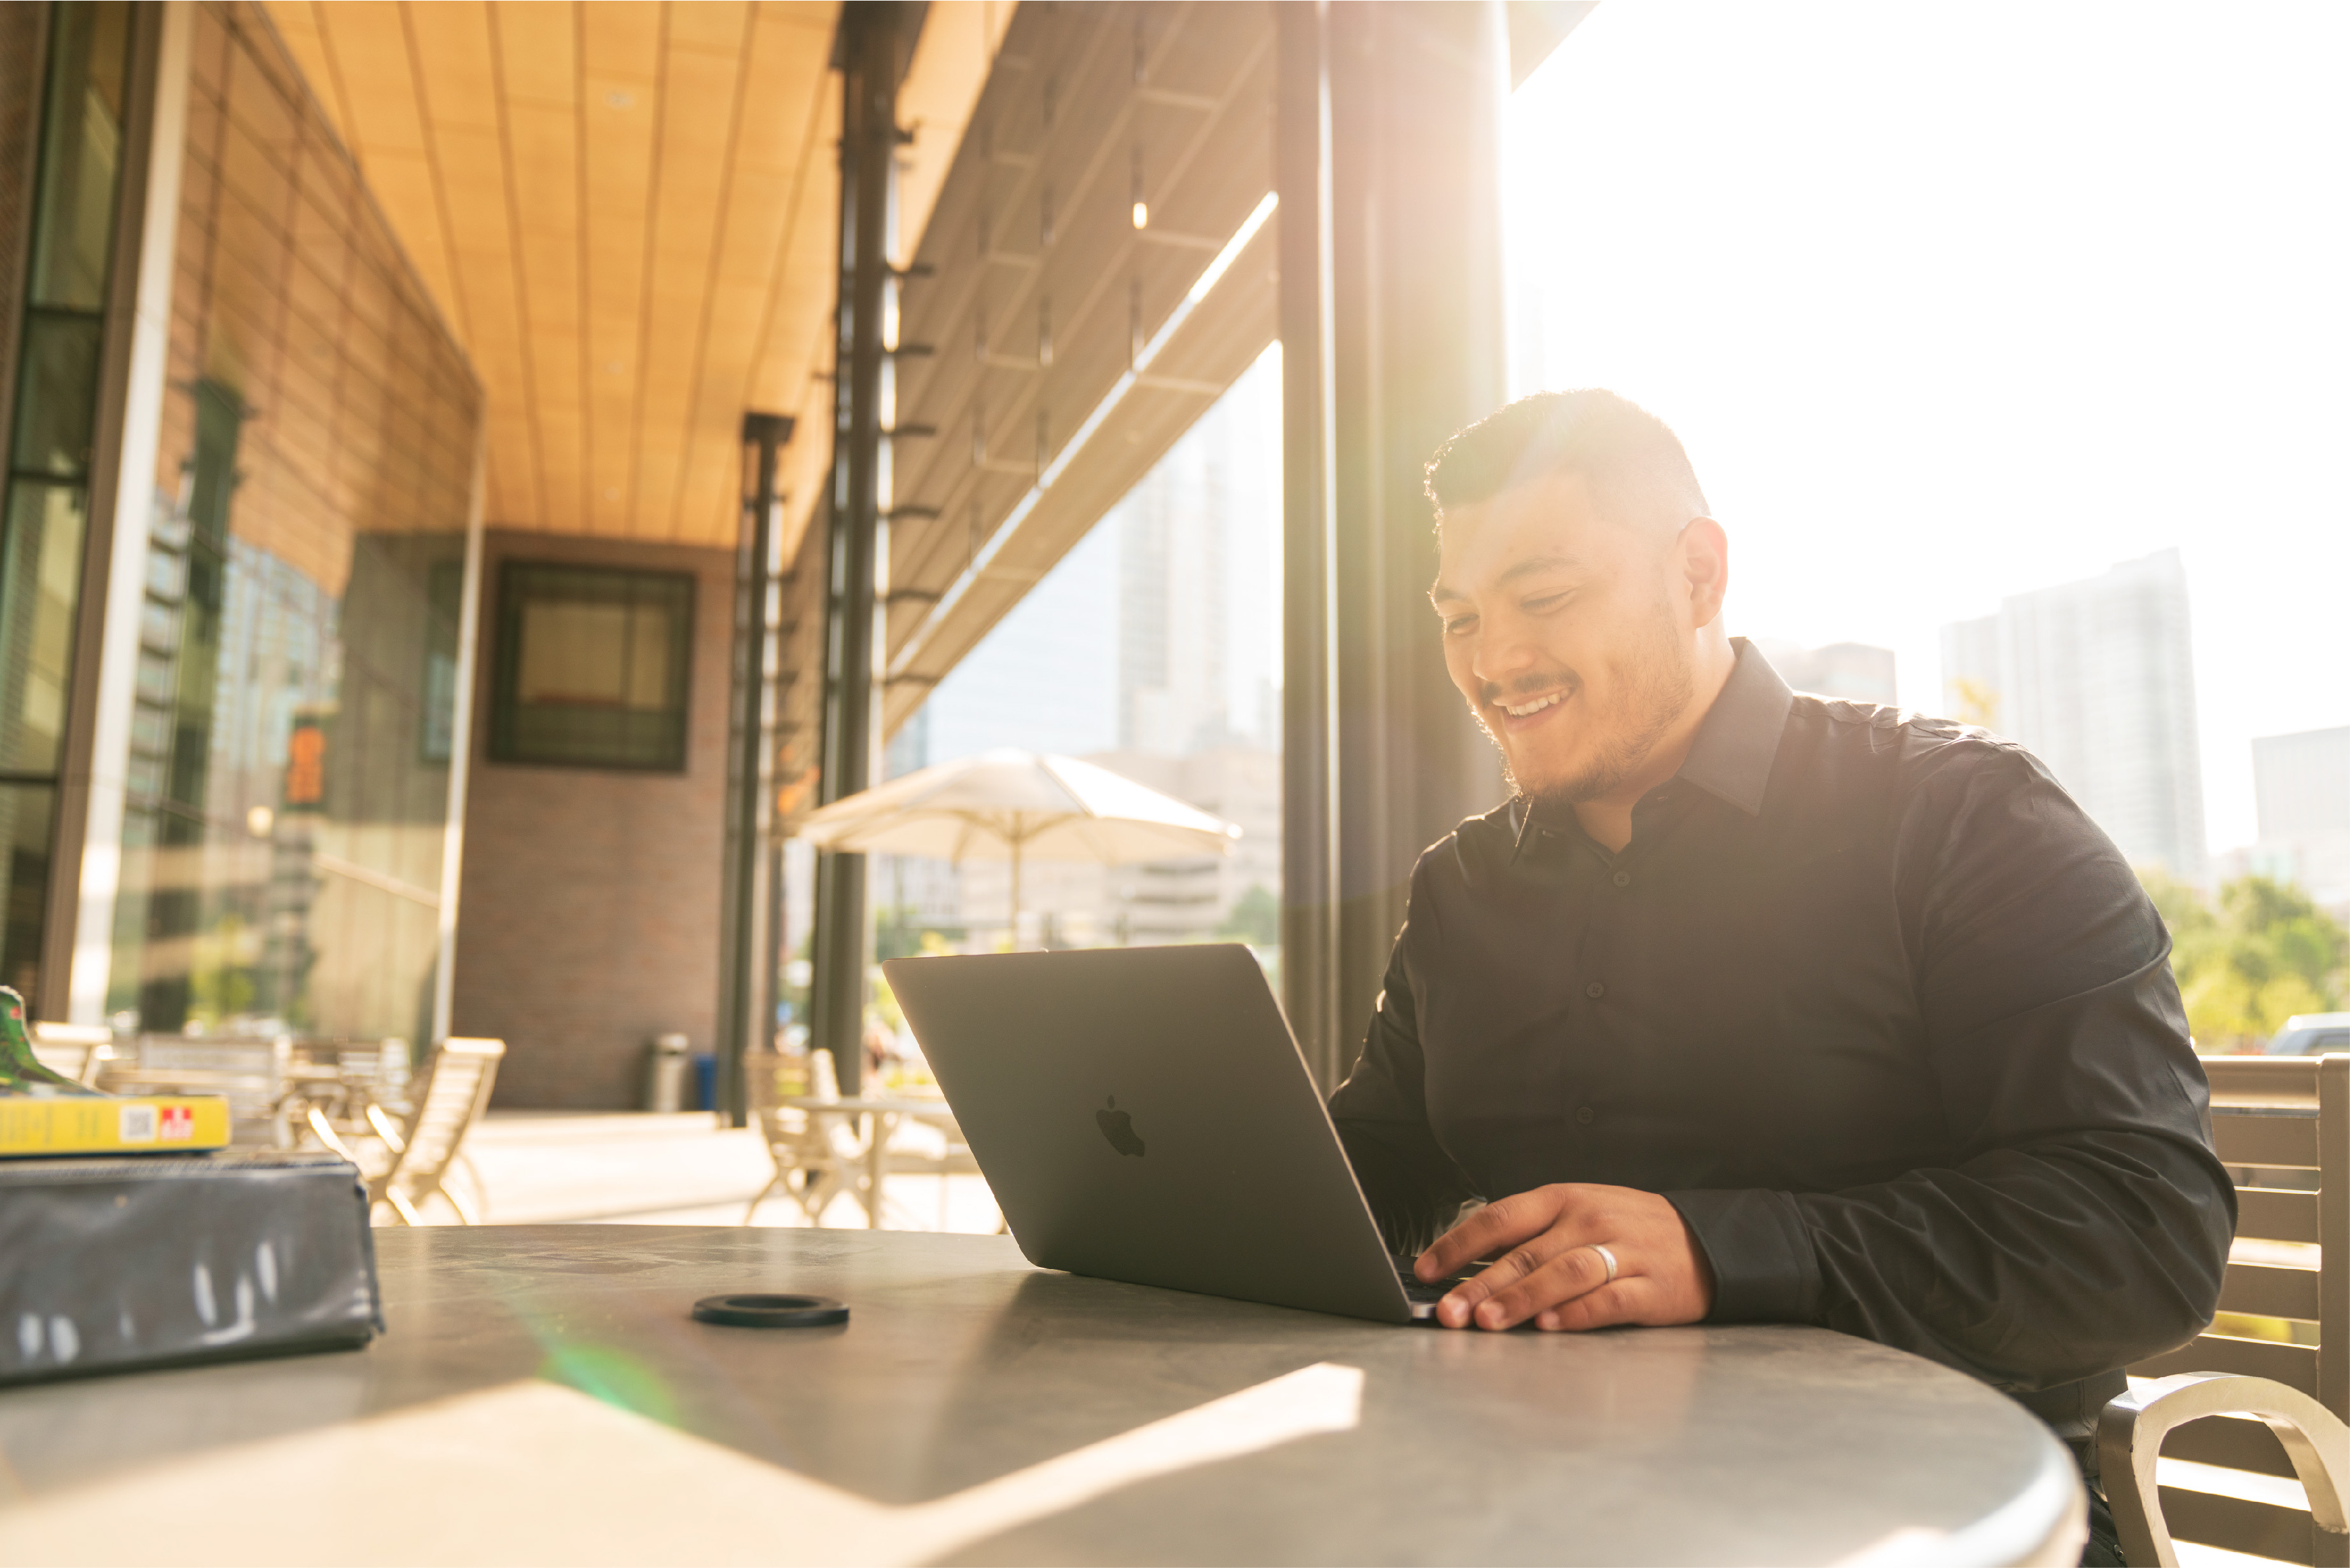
[627, 211]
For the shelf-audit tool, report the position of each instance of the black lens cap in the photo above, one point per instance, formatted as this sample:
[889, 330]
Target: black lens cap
[771, 1312]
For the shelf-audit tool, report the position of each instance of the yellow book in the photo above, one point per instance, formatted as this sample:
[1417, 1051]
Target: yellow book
[131, 1123]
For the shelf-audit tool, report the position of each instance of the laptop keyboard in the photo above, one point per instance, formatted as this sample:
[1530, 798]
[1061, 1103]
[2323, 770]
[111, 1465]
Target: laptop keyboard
[1419, 1294]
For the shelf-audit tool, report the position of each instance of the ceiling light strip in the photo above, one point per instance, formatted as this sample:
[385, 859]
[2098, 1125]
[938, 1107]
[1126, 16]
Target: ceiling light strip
[985, 559]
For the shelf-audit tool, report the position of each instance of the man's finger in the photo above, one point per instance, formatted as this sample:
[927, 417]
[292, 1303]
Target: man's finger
[1572, 1272]
[1622, 1302]
[1507, 1223]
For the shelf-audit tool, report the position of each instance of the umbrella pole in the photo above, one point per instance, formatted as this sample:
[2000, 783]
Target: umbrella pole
[1016, 894]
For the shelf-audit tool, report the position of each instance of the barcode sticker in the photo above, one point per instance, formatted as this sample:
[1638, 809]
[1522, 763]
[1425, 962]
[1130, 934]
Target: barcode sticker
[138, 1125]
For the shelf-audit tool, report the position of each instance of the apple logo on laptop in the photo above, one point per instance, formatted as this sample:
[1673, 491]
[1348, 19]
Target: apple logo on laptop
[1119, 1127]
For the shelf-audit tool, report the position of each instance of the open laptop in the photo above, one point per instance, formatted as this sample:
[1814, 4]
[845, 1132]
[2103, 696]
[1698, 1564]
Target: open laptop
[1143, 1114]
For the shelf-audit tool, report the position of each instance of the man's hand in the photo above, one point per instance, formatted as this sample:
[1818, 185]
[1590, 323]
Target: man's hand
[1543, 1266]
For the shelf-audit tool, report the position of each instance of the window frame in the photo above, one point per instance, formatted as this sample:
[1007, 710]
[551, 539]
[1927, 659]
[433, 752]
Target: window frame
[521, 581]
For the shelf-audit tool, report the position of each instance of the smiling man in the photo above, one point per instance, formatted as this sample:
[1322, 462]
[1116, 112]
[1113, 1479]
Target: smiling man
[1759, 1007]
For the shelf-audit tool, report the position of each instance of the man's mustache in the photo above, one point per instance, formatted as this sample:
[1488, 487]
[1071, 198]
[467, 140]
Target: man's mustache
[1492, 694]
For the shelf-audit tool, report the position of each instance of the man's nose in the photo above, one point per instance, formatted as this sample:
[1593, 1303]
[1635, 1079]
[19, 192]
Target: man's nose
[1500, 657]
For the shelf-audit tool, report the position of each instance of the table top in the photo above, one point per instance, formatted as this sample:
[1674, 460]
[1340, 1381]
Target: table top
[543, 1396]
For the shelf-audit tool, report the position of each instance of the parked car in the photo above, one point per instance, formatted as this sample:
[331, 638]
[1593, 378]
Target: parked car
[2311, 1035]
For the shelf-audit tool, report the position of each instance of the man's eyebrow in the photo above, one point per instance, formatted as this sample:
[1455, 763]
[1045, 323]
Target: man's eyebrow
[1531, 567]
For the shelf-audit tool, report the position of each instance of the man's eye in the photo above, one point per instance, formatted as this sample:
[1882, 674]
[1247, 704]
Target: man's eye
[1459, 625]
[1547, 603]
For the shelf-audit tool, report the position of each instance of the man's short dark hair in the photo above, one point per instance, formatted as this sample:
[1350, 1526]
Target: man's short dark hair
[1638, 473]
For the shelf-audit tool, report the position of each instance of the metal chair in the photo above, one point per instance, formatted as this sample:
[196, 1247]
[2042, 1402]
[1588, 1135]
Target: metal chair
[450, 1097]
[817, 1147]
[2270, 1407]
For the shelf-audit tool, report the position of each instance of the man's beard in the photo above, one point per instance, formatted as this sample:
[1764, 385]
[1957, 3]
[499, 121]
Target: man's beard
[1657, 679]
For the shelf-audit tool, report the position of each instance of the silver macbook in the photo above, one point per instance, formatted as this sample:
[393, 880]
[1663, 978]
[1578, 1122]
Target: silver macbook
[1143, 1115]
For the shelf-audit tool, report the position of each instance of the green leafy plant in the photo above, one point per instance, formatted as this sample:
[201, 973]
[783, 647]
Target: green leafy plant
[2249, 960]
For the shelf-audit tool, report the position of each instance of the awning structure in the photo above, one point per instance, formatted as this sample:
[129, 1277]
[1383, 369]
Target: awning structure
[1072, 328]
[628, 214]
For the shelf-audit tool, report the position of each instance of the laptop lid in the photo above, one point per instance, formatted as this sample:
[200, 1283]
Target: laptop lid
[1143, 1114]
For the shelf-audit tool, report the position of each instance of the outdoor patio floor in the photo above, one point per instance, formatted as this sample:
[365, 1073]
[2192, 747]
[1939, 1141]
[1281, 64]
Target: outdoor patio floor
[539, 1167]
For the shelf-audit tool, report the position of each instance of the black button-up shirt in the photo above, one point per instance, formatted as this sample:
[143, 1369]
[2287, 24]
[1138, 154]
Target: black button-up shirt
[1868, 999]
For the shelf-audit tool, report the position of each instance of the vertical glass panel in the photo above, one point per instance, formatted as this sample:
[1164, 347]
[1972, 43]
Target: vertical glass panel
[25, 813]
[57, 394]
[81, 155]
[40, 579]
[297, 683]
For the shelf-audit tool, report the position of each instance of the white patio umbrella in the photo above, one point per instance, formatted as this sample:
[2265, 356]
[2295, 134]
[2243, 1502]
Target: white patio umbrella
[1015, 805]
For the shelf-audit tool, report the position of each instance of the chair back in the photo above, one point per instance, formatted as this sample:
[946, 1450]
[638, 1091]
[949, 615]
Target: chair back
[75, 1051]
[795, 1136]
[453, 1092]
[2281, 1125]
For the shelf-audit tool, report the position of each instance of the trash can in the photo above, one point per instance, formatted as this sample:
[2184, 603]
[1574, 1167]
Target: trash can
[665, 1070]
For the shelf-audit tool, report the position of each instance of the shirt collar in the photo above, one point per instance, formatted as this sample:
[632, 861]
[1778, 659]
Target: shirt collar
[1739, 740]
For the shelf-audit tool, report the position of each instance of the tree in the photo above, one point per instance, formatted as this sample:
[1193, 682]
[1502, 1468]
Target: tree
[1255, 919]
[2263, 955]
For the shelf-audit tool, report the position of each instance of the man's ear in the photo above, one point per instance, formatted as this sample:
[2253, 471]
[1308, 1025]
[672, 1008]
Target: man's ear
[1702, 553]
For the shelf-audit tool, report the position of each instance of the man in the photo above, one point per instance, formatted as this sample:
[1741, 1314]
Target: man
[1758, 1007]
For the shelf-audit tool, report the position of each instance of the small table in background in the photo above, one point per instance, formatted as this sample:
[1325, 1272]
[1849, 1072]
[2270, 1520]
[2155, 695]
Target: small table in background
[885, 1112]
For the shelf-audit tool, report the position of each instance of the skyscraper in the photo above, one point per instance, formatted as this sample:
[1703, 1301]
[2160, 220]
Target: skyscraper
[1854, 672]
[2097, 678]
[2303, 785]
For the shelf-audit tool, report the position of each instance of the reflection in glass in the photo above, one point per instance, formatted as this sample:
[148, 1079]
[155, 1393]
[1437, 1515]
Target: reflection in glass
[60, 342]
[56, 393]
[288, 800]
[81, 155]
[25, 813]
[40, 579]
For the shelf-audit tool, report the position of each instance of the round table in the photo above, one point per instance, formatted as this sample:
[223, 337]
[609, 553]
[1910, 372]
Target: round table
[543, 1395]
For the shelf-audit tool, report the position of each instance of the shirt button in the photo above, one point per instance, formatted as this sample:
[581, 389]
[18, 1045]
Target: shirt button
[1594, 990]
[1623, 878]
[1583, 1115]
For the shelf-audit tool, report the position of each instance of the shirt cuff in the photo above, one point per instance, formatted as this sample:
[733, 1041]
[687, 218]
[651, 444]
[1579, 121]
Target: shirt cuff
[1765, 1270]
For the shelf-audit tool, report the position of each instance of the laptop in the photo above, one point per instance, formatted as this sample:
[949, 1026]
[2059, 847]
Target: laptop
[1143, 1115]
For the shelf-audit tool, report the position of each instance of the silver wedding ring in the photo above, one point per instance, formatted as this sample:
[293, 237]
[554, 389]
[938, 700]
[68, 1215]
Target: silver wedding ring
[1605, 1257]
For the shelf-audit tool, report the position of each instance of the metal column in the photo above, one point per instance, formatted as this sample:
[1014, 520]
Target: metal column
[1309, 900]
[874, 39]
[1387, 149]
[746, 1002]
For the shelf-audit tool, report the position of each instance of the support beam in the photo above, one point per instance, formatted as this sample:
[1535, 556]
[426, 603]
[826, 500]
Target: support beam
[874, 42]
[1310, 901]
[747, 926]
[1399, 106]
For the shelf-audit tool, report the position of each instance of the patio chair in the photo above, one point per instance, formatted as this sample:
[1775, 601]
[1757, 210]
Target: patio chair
[2259, 1407]
[818, 1148]
[936, 1147]
[449, 1095]
[75, 1051]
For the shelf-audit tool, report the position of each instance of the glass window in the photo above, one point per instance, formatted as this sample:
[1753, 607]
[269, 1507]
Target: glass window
[284, 831]
[40, 579]
[591, 667]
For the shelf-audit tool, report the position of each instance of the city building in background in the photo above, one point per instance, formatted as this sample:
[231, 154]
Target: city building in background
[1152, 650]
[2097, 678]
[2302, 783]
[1854, 672]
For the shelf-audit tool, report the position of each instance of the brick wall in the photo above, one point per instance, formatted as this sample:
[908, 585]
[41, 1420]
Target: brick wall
[588, 914]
